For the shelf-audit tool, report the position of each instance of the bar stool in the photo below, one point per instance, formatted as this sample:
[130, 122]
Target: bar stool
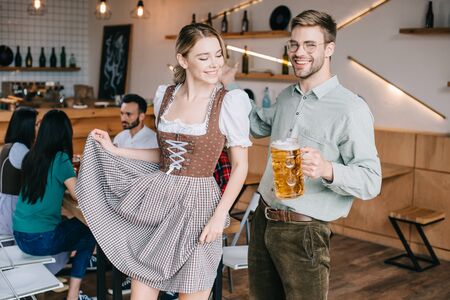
[419, 217]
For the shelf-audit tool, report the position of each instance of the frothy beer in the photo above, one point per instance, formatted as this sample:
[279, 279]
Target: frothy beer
[287, 168]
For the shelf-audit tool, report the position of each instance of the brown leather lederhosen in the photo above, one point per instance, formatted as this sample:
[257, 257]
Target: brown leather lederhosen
[203, 151]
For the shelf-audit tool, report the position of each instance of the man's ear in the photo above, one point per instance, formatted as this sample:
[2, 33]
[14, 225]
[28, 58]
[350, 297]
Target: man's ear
[141, 117]
[329, 49]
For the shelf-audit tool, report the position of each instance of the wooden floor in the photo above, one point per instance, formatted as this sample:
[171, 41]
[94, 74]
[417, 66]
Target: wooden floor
[357, 272]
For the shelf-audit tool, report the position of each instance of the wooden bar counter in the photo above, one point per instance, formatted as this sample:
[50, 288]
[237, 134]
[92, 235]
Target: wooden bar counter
[415, 166]
[83, 121]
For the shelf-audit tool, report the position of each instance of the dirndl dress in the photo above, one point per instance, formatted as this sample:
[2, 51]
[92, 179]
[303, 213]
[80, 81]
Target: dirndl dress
[147, 218]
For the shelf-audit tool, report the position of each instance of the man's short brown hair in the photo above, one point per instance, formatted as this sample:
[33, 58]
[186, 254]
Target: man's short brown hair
[317, 18]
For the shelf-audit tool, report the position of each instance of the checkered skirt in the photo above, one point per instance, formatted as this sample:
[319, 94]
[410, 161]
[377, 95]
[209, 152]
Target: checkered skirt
[148, 222]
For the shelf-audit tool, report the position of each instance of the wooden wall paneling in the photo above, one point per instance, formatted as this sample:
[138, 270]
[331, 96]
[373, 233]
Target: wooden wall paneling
[372, 215]
[442, 254]
[82, 127]
[3, 128]
[78, 145]
[433, 152]
[376, 238]
[395, 147]
[257, 158]
[431, 190]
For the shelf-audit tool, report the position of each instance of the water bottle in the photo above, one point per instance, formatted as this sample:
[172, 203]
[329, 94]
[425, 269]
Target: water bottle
[266, 98]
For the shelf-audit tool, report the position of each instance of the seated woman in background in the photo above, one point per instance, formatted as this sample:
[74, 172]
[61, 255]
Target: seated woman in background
[18, 140]
[47, 173]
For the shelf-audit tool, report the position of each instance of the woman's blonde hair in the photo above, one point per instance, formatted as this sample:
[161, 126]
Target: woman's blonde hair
[187, 38]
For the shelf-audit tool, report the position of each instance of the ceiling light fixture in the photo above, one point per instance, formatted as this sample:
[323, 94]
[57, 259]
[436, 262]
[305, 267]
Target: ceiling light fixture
[234, 9]
[361, 14]
[37, 8]
[256, 54]
[103, 10]
[140, 12]
[396, 87]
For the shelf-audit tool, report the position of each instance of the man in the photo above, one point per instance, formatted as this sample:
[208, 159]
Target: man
[135, 134]
[291, 259]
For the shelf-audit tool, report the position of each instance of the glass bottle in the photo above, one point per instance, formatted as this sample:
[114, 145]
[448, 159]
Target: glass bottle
[224, 26]
[29, 59]
[193, 19]
[285, 67]
[42, 59]
[72, 61]
[53, 58]
[429, 19]
[266, 103]
[62, 57]
[209, 20]
[245, 61]
[18, 58]
[244, 27]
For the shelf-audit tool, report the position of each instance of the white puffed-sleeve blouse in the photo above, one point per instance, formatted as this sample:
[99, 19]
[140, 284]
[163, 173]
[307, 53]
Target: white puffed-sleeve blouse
[233, 119]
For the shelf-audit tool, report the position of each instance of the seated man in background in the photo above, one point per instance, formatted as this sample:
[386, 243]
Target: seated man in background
[135, 134]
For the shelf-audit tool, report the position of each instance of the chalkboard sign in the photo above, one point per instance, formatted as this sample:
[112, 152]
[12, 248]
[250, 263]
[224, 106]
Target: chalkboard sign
[114, 63]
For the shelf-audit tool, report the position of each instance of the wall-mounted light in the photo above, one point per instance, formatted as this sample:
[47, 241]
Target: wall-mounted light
[361, 14]
[234, 9]
[37, 8]
[256, 54]
[103, 10]
[140, 12]
[396, 87]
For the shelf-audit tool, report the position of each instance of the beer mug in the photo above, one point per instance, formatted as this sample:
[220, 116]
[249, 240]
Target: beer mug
[287, 168]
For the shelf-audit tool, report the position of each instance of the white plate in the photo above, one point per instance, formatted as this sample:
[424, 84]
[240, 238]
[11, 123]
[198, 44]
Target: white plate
[101, 103]
[80, 106]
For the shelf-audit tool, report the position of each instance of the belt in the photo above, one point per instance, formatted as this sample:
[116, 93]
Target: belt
[279, 215]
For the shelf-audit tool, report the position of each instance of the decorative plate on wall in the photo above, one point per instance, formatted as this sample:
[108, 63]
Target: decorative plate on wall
[280, 17]
[6, 56]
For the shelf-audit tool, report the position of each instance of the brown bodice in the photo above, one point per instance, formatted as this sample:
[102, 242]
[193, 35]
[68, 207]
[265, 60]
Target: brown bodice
[197, 155]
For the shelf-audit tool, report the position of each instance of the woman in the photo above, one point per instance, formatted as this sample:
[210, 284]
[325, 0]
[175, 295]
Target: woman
[163, 225]
[18, 140]
[47, 173]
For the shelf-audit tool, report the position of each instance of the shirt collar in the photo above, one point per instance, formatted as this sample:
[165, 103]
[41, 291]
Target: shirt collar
[320, 90]
[140, 132]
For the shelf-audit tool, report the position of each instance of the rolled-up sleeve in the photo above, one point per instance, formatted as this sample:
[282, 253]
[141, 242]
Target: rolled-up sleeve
[261, 120]
[359, 174]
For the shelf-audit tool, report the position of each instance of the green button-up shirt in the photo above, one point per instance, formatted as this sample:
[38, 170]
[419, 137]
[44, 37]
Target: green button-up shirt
[339, 124]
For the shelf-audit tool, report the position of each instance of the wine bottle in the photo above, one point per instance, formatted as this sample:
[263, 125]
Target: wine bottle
[244, 27]
[245, 61]
[29, 59]
[193, 19]
[62, 57]
[53, 58]
[42, 58]
[72, 61]
[209, 21]
[224, 26]
[285, 67]
[429, 19]
[266, 103]
[18, 58]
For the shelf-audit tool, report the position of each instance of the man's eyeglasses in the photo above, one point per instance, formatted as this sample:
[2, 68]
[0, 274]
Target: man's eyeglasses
[308, 46]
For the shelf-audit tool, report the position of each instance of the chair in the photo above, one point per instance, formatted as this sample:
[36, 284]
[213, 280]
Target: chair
[23, 275]
[235, 257]
[419, 217]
